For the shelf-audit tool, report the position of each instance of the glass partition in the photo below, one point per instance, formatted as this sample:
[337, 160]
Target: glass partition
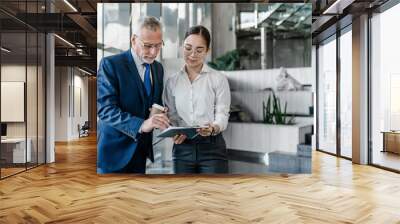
[22, 88]
[13, 95]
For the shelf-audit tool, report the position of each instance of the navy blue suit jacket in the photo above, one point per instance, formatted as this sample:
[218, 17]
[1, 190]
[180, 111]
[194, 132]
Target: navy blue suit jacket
[122, 107]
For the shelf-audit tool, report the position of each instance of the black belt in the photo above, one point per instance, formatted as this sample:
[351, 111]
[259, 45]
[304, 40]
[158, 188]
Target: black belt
[203, 139]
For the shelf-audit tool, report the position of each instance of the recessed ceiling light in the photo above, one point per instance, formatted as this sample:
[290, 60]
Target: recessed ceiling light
[5, 50]
[70, 5]
[64, 40]
[338, 6]
[84, 71]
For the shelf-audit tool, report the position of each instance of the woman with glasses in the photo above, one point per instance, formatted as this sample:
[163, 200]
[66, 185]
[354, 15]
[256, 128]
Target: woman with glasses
[198, 96]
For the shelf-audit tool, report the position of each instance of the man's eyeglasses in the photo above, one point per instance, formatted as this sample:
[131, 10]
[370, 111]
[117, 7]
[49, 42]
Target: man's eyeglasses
[148, 47]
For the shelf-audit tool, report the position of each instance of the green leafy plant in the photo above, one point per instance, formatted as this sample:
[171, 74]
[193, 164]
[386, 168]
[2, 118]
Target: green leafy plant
[268, 116]
[277, 116]
[280, 116]
[227, 62]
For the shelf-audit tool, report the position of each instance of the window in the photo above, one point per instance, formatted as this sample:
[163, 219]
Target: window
[327, 96]
[346, 93]
[385, 88]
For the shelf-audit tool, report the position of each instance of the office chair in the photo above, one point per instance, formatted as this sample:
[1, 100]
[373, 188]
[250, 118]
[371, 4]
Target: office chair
[84, 130]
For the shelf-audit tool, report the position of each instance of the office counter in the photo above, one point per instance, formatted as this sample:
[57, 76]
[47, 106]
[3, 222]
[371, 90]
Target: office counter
[13, 150]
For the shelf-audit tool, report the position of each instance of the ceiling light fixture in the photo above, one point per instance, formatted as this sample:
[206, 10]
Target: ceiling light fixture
[70, 5]
[84, 71]
[5, 50]
[338, 6]
[332, 7]
[64, 40]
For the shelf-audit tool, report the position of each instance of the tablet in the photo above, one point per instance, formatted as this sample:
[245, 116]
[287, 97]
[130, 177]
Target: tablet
[190, 132]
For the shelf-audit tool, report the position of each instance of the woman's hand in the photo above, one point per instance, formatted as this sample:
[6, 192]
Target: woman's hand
[209, 130]
[178, 139]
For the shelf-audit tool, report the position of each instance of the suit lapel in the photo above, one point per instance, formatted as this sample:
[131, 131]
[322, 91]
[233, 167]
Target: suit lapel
[135, 74]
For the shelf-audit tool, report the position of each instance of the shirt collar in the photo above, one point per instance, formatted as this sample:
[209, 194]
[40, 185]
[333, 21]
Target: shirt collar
[204, 70]
[138, 61]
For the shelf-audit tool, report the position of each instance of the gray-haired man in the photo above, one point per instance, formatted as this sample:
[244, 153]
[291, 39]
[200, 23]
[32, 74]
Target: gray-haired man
[128, 84]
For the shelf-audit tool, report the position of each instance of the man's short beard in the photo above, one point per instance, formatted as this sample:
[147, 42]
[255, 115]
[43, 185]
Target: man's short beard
[148, 62]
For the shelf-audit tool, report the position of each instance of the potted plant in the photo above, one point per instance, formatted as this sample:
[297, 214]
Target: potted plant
[273, 114]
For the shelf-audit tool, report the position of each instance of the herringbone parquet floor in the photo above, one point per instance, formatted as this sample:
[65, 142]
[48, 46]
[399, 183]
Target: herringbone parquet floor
[70, 191]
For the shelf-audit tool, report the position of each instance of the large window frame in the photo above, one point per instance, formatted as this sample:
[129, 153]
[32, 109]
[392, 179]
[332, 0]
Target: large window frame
[337, 38]
[381, 9]
[342, 82]
[330, 40]
[387, 5]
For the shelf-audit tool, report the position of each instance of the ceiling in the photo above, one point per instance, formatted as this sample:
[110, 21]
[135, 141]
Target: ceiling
[73, 21]
[280, 20]
[332, 15]
[298, 19]
[76, 22]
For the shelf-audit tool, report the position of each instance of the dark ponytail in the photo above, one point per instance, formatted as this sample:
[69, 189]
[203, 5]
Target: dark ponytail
[202, 31]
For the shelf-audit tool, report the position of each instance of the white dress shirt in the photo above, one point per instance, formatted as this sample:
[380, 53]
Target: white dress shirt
[205, 100]
[140, 66]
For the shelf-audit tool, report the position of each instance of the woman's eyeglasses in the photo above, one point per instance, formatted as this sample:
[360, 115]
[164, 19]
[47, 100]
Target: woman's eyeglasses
[197, 51]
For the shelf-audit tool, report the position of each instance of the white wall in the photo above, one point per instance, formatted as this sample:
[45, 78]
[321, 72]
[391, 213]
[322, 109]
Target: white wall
[254, 80]
[12, 73]
[248, 89]
[70, 83]
[298, 102]
[61, 103]
[33, 126]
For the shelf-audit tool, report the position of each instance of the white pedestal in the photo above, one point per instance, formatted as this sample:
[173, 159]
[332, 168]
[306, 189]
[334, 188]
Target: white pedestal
[264, 138]
[19, 154]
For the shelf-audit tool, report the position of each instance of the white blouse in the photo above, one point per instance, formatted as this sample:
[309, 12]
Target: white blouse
[206, 100]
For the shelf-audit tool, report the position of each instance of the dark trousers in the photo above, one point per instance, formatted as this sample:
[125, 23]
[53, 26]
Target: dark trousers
[201, 155]
[143, 151]
[137, 164]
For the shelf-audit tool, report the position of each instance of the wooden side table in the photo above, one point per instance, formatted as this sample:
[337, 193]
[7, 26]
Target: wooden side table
[391, 141]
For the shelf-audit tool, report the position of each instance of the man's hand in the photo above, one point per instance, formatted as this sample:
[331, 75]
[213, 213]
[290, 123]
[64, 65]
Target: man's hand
[178, 139]
[159, 121]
